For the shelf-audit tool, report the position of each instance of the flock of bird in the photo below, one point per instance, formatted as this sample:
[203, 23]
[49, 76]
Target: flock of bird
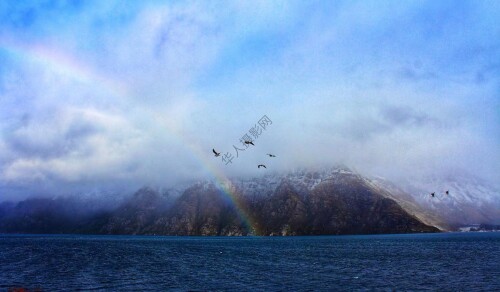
[433, 194]
[217, 154]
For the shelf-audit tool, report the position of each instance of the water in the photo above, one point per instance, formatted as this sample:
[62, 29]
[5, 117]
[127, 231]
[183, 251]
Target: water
[445, 262]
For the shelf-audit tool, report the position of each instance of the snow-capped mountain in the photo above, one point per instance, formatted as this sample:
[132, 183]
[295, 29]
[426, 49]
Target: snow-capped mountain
[470, 200]
[302, 179]
[332, 200]
[301, 202]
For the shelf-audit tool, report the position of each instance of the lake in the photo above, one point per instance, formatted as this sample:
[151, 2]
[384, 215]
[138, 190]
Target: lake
[444, 261]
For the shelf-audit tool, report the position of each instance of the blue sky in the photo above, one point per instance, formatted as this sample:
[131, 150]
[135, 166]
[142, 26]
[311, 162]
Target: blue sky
[119, 94]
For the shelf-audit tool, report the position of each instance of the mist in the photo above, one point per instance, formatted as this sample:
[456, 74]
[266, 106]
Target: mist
[109, 97]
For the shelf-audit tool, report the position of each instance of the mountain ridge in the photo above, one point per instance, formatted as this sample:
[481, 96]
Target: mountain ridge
[301, 202]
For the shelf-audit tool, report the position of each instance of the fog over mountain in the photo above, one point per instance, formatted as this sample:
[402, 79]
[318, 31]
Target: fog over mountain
[105, 97]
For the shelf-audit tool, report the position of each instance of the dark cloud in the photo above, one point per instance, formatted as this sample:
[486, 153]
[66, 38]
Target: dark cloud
[398, 116]
[34, 138]
[362, 126]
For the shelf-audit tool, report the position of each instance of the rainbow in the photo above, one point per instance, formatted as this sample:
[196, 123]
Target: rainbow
[63, 63]
[227, 187]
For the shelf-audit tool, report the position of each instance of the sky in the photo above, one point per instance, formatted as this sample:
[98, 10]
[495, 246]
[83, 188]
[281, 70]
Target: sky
[115, 95]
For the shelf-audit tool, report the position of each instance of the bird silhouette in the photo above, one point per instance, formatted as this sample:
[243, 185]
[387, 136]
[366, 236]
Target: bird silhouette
[447, 192]
[271, 155]
[215, 152]
[433, 194]
[261, 165]
[249, 142]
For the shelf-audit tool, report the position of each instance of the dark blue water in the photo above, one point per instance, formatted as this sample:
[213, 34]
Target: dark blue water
[445, 262]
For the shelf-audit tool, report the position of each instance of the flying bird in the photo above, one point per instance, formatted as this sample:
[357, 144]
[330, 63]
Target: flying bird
[433, 195]
[270, 155]
[447, 192]
[249, 142]
[261, 165]
[215, 152]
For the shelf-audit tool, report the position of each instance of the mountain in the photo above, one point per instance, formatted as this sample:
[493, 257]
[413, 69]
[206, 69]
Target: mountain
[408, 202]
[326, 201]
[470, 199]
[137, 213]
[49, 215]
[302, 202]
